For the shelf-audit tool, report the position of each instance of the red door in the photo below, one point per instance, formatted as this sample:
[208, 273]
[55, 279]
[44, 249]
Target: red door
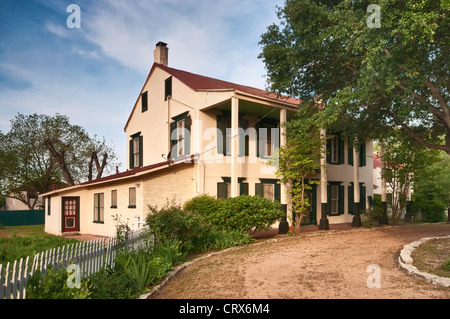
[70, 213]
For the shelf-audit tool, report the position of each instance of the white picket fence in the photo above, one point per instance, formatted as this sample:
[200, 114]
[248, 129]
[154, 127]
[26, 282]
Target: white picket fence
[89, 256]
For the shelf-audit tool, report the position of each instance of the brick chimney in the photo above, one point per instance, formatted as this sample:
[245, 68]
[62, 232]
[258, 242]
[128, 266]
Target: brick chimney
[161, 53]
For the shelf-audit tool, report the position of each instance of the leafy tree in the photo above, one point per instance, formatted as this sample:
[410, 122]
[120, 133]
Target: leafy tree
[405, 159]
[375, 79]
[432, 190]
[300, 157]
[40, 151]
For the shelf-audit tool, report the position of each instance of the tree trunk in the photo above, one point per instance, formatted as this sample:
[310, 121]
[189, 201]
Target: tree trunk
[59, 158]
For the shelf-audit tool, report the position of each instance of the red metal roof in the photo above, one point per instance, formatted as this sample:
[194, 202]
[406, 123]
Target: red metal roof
[199, 82]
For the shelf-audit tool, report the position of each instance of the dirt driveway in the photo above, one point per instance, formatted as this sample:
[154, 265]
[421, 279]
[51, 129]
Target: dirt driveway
[325, 265]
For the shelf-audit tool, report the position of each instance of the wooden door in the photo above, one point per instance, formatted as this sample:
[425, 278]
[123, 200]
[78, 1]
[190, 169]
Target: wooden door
[70, 214]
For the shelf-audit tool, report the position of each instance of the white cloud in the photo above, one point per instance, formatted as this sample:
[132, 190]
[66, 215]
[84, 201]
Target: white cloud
[57, 29]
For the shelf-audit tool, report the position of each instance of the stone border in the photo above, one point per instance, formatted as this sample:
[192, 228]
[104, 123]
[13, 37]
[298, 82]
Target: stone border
[170, 275]
[406, 262]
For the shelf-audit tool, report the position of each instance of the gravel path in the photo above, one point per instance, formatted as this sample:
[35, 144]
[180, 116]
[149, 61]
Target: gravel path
[325, 265]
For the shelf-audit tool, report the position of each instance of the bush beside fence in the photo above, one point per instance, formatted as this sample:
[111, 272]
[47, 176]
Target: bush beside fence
[90, 257]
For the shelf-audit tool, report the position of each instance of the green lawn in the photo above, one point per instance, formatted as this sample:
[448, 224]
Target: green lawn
[21, 241]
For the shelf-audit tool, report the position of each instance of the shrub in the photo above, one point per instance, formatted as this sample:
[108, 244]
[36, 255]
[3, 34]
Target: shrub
[246, 213]
[53, 285]
[172, 223]
[204, 205]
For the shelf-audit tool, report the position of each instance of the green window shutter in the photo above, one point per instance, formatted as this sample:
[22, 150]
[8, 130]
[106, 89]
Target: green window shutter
[277, 195]
[328, 151]
[222, 190]
[221, 146]
[341, 150]
[341, 200]
[173, 137]
[351, 206]
[362, 154]
[243, 188]
[259, 189]
[141, 151]
[350, 152]
[187, 139]
[131, 154]
[362, 195]
[328, 199]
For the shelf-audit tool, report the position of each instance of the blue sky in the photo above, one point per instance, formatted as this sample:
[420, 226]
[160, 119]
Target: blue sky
[93, 74]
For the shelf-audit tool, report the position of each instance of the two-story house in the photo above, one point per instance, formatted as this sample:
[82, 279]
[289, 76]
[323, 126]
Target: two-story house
[189, 134]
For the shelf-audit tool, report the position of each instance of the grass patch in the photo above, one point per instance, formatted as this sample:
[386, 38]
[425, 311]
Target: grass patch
[22, 241]
[433, 257]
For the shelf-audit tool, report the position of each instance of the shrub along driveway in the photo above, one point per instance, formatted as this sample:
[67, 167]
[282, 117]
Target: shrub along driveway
[328, 265]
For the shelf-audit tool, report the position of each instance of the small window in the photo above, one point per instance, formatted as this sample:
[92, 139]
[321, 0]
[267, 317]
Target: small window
[269, 140]
[180, 135]
[144, 101]
[132, 197]
[268, 188]
[114, 199]
[167, 88]
[334, 199]
[136, 151]
[99, 208]
[49, 205]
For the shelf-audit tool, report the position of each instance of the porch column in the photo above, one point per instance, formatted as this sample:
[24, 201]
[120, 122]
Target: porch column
[234, 146]
[408, 215]
[384, 217]
[324, 223]
[356, 195]
[285, 190]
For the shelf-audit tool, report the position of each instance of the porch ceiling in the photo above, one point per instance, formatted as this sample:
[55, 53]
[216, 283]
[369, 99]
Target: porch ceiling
[256, 109]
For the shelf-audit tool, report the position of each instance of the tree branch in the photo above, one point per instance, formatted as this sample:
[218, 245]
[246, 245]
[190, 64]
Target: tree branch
[418, 138]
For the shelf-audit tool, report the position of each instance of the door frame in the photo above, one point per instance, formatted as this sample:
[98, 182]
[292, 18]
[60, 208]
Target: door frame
[77, 216]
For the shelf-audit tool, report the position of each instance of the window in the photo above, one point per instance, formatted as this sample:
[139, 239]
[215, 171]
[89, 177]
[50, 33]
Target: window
[144, 101]
[114, 199]
[335, 198]
[224, 187]
[99, 208]
[335, 149]
[224, 145]
[268, 139]
[132, 197]
[136, 150]
[180, 135]
[167, 88]
[269, 188]
[49, 205]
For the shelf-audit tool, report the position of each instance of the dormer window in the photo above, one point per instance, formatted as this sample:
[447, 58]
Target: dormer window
[167, 88]
[144, 101]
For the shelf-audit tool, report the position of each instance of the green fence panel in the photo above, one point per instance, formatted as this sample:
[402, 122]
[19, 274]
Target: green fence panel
[22, 217]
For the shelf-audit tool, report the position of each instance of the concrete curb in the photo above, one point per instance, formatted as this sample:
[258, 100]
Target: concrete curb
[406, 262]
